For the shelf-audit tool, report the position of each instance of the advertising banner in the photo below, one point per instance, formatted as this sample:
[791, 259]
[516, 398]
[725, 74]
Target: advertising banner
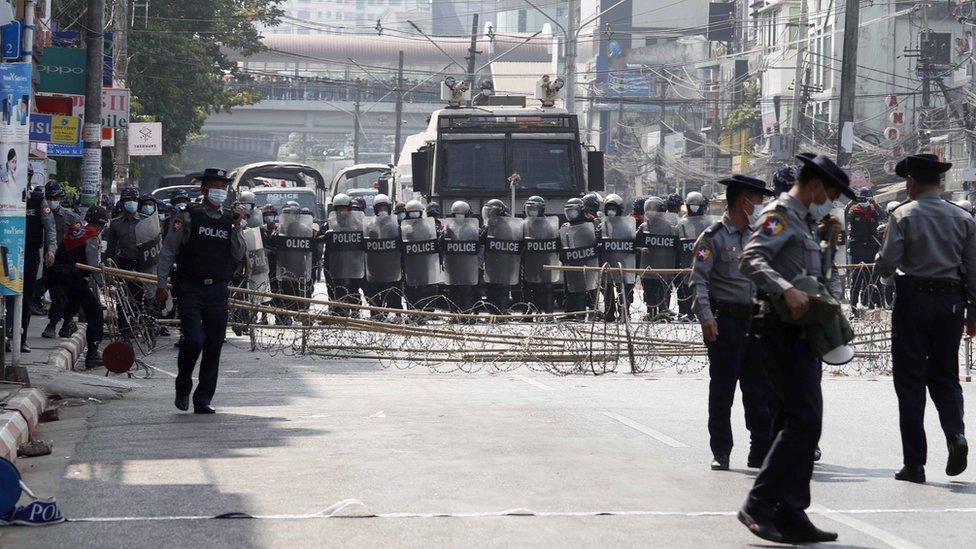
[61, 70]
[146, 139]
[54, 128]
[15, 89]
[115, 108]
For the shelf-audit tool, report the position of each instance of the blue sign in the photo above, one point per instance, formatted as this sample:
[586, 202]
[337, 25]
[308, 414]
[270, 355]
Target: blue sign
[44, 128]
[55, 149]
[40, 127]
[13, 40]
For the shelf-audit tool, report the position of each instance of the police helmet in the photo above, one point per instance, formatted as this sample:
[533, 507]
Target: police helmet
[573, 208]
[460, 208]
[655, 204]
[399, 208]
[414, 209]
[494, 208]
[433, 210]
[674, 203]
[129, 193]
[890, 207]
[292, 204]
[783, 179]
[639, 205]
[247, 197]
[613, 203]
[269, 209]
[305, 211]
[863, 194]
[358, 204]
[696, 203]
[147, 198]
[382, 201]
[591, 203]
[179, 194]
[53, 189]
[535, 205]
[340, 200]
[96, 214]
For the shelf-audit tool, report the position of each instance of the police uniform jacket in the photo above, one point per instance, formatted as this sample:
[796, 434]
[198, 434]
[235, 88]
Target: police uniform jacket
[715, 272]
[784, 245]
[121, 238]
[63, 219]
[207, 247]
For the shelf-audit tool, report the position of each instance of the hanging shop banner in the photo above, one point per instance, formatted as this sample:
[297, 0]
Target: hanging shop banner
[54, 128]
[61, 70]
[73, 39]
[15, 90]
[146, 139]
[115, 108]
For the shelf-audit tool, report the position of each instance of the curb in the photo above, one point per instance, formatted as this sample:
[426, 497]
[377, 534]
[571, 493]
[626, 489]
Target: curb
[19, 418]
[69, 351]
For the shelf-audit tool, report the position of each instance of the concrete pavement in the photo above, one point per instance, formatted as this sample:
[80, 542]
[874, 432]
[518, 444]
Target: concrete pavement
[295, 436]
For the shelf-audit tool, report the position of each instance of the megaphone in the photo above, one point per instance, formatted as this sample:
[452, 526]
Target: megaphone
[838, 356]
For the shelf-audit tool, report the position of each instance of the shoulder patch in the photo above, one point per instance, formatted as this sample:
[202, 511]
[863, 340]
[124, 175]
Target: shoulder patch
[713, 228]
[703, 250]
[772, 223]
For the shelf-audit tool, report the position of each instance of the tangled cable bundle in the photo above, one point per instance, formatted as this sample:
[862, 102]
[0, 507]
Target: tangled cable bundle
[446, 342]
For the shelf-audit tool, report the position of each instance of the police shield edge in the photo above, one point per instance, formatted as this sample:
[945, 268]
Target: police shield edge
[345, 242]
[579, 249]
[461, 261]
[503, 250]
[149, 242]
[257, 260]
[421, 263]
[382, 250]
[618, 247]
[541, 248]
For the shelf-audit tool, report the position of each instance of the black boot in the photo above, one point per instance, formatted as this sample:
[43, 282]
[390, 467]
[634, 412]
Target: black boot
[50, 332]
[911, 473]
[68, 329]
[958, 450]
[93, 359]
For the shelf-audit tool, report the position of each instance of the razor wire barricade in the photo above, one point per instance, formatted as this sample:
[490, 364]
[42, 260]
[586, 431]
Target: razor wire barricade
[445, 341]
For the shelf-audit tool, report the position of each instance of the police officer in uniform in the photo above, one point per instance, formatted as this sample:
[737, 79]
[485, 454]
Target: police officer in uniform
[41, 239]
[578, 296]
[932, 245]
[618, 237]
[83, 244]
[784, 247]
[207, 242]
[690, 228]
[502, 244]
[460, 247]
[657, 240]
[120, 239]
[64, 218]
[269, 227]
[541, 235]
[383, 270]
[638, 210]
[723, 303]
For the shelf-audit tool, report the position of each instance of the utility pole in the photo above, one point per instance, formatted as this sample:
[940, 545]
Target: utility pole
[472, 53]
[571, 40]
[848, 79]
[120, 70]
[91, 161]
[399, 111]
[801, 50]
[355, 130]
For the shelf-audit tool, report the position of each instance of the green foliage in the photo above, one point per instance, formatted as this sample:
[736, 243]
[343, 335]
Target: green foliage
[746, 114]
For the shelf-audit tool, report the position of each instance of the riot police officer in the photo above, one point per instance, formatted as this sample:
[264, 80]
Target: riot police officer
[123, 242]
[383, 269]
[617, 238]
[40, 240]
[657, 240]
[863, 218]
[82, 244]
[421, 265]
[578, 247]
[931, 243]
[690, 228]
[269, 228]
[249, 202]
[293, 243]
[638, 210]
[461, 246]
[207, 242]
[541, 249]
[502, 244]
[64, 218]
[345, 251]
[784, 249]
[723, 303]
[674, 204]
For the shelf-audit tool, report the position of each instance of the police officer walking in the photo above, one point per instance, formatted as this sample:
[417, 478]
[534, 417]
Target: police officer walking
[207, 242]
[120, 239]
[723, 302]
[932, 245]
[784, 248]
[64, 218]
[41, 239]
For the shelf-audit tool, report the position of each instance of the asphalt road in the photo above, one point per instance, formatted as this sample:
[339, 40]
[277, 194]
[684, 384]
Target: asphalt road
[443, 460]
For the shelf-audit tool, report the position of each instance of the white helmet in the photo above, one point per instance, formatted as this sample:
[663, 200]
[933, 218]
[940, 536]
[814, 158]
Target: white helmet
[695, 203]
[381, 200]
[890, 207]
[615, 203]
[655, 204]
[247, 197]
[414, 209]
[341, 199]
[460, 208]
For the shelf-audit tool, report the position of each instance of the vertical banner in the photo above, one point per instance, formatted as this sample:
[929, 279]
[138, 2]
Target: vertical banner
[15, 90]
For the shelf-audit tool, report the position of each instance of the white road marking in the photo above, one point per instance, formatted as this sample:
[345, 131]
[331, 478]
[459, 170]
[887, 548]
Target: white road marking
[653, 433]
[536, 384]
[865, 528]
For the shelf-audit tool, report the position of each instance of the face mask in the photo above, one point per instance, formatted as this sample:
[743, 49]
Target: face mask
[822, 209]
[611, 213]
[572, 214]
[413, 215]
[54, 204]
[130, 206]
[532, 213]
[754, 214]
[217, 196]
[401, 216]
[248, 207]
[148, 209]
[382, 213]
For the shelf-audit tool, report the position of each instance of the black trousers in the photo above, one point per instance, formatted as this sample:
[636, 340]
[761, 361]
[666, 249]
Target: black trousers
[611, 296]
[56, 313]
[684, 294]
[499, 298]
[420, 297]
[925, 333]
[735, 357]
[462, 298]
[657, 294]
[80, 296]
[539, 294]
[385, 294]
[578, 301]
[203, 321]
[795, 373]
[32, 260]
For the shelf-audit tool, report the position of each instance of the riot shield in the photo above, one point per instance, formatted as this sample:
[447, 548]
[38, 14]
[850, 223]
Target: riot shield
[149, 242]
[618, 246]
[293, 245]
[541, 248]
[257, 261]
[421, 265]
[461, 238]
[579, 249]
[503, 250]
[383, 250]
[659, 245]
[345, 244]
